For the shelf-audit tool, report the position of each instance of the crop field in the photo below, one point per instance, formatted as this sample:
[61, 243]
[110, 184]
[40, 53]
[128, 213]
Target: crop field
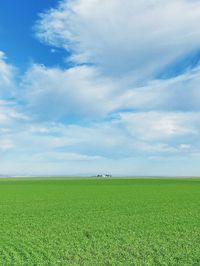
[100, 222]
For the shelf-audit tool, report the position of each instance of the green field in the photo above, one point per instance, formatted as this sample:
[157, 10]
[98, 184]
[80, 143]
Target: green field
[100, 222]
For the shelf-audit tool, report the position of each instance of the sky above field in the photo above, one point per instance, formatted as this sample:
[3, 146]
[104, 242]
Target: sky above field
[98, 86]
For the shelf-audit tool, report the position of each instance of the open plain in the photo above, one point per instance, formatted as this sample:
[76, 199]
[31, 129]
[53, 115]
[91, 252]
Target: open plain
[100, 222]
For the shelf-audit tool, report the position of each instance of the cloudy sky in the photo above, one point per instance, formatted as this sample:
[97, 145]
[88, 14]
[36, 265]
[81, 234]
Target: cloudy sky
[93, 86]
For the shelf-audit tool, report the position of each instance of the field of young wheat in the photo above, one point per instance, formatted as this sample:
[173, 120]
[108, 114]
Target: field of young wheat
[100, 222]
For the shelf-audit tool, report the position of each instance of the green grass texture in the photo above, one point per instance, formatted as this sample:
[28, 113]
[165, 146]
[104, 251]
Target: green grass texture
[100, 222]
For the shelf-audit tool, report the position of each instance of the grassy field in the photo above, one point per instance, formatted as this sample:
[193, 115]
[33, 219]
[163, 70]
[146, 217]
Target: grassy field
[100, 222]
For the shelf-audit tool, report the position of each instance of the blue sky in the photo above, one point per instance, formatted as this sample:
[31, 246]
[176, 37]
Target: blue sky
[100, 86]
[17, 37]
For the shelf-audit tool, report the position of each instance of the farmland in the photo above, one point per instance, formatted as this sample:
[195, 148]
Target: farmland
[100, 222]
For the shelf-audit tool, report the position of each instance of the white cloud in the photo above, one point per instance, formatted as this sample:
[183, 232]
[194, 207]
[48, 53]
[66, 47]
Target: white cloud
[111, 114]
[157, 125]
[135, 139]
[9, 113]
[79, 91]
[7, 74]
[128, 135]
[120, 37]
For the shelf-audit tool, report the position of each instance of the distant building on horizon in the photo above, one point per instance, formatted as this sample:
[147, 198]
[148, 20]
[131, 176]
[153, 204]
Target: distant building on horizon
[104, 175]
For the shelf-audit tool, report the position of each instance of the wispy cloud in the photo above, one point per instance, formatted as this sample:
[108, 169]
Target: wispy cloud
[7, 75]
[121, 37]
[110, 108]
